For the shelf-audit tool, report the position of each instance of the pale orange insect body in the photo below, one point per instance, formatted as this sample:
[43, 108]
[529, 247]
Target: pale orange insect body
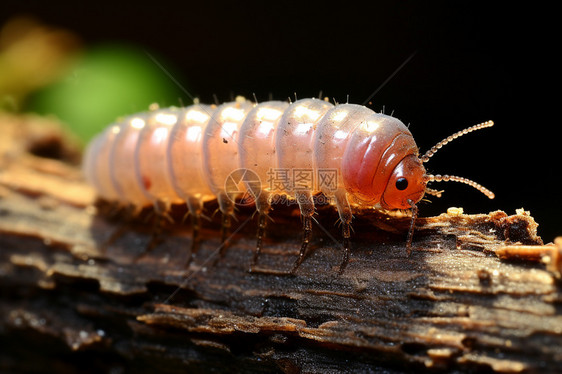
[352, 155]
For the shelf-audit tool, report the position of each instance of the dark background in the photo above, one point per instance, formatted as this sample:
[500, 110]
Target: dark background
[470, 63]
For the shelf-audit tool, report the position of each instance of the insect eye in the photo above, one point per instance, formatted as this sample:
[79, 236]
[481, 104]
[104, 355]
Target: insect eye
[401, 184]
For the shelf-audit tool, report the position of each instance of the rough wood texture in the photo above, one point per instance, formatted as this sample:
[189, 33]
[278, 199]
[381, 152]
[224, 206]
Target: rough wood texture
[70, 303]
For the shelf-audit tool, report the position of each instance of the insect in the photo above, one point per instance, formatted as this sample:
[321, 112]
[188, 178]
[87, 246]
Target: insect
[189, 155]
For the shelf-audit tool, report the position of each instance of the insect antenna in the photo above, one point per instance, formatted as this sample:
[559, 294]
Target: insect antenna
[449, 139]
[447, 178]
[452, 178]
[432, 192]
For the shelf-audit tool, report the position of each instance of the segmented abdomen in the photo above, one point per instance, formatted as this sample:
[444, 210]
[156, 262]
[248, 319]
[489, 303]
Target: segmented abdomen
[174, 155]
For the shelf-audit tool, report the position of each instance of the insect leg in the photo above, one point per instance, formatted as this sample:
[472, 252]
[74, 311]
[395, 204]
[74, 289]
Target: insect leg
[195, 207]
[225, 229]
[157, 227]
[411, 229]
[226, 206]
[155, 238]
[259, 236]
[306, 204]
[344, 211]
[263, 206]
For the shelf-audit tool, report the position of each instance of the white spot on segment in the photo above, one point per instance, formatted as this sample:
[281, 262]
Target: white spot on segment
[268, 114]
[303, 128]
[339, 135]
[340, 116]
[137, 123]
[197, 116]
[302, 111]
[166, 118]
[160, 135]
[228, 129]
[233, 113]
[370, 126]
[193, 134]
[267, 118]
[264, 128]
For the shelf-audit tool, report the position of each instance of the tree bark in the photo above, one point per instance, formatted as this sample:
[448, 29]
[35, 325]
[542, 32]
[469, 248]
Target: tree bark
[80, 292]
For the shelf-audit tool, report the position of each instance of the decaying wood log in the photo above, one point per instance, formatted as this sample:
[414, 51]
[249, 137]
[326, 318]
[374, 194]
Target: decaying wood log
[475, 295]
